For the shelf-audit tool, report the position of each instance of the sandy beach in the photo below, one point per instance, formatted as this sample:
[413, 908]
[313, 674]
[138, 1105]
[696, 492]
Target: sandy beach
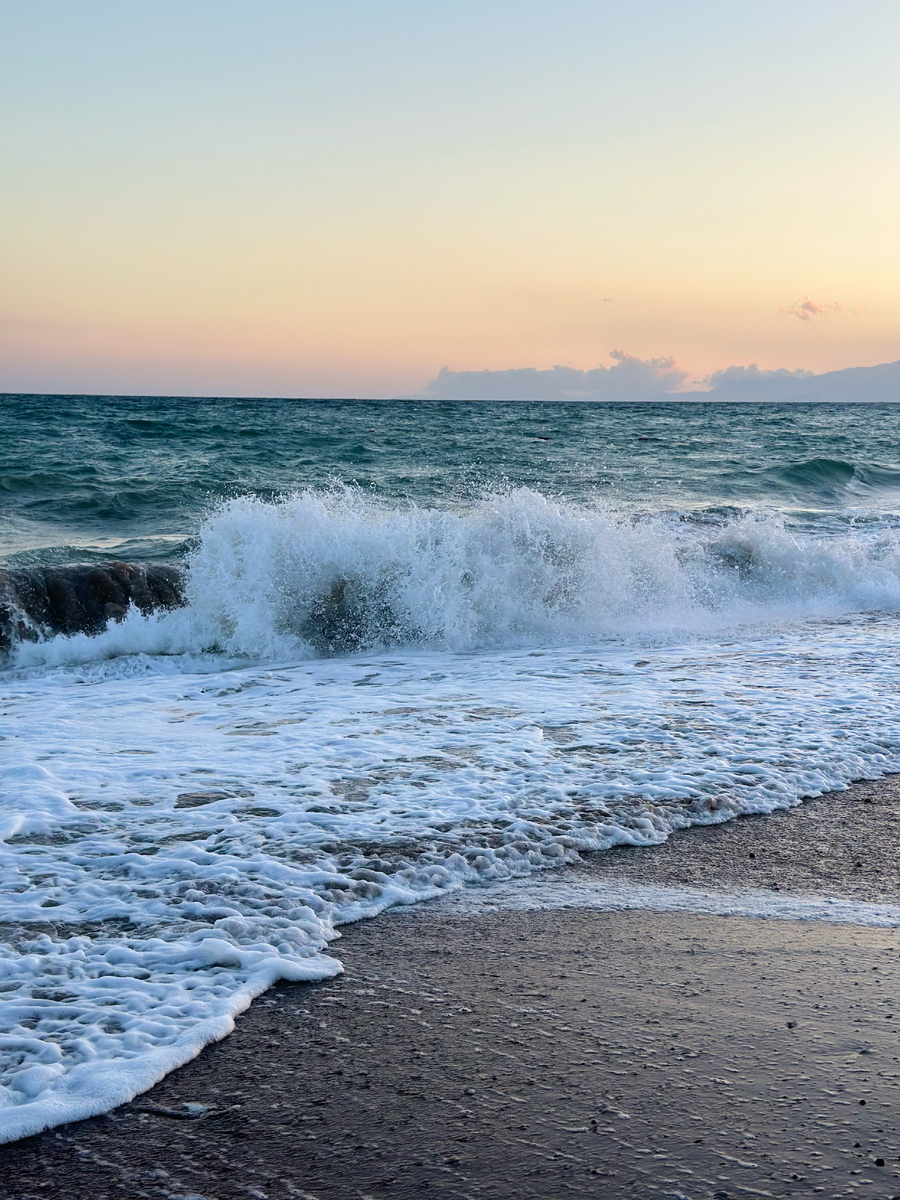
[572, 1053]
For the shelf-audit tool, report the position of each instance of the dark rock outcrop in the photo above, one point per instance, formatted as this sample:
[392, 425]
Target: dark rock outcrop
[37, 602]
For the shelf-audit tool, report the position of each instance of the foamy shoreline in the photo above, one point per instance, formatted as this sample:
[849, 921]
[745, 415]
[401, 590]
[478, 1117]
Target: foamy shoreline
[558, 1051]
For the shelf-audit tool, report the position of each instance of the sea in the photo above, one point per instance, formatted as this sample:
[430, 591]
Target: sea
[425, 646]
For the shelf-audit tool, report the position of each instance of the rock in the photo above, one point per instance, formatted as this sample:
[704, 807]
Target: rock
[37, 602]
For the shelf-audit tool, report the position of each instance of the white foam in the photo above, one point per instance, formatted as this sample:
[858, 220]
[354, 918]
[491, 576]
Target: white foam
[173, 842]
[140, 1015]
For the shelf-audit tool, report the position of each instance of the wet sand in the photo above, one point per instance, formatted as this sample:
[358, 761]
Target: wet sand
[555, 1054]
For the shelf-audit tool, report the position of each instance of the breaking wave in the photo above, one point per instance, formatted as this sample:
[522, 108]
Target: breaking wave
[331, 572]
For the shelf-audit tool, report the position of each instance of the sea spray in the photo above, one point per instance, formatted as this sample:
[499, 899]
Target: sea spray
[338, 571]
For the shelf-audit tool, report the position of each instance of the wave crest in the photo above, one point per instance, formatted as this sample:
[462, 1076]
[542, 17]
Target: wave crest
[336, 571]
[833, 478]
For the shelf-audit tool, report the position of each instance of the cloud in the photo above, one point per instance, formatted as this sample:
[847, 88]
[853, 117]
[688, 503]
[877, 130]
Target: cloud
[807, 309]
[633, 379]
[746, 374]
[629, 378]
[880, 384]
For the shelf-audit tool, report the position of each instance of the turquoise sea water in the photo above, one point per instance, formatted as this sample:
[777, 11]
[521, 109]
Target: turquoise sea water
[84, 478]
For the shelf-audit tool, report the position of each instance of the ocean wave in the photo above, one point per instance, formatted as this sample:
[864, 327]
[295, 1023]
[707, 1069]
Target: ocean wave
[833, 478]
[332, 572]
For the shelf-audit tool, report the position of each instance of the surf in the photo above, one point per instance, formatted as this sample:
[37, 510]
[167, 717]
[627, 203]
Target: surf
[333, 571]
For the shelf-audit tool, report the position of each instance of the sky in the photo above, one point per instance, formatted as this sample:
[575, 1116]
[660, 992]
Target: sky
[280, 197]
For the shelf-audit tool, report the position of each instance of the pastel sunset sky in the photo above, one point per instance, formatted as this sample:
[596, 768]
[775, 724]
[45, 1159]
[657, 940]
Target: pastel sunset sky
[280, 197]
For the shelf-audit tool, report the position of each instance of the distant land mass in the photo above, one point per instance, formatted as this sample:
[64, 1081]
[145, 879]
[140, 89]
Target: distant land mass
[657, 379]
